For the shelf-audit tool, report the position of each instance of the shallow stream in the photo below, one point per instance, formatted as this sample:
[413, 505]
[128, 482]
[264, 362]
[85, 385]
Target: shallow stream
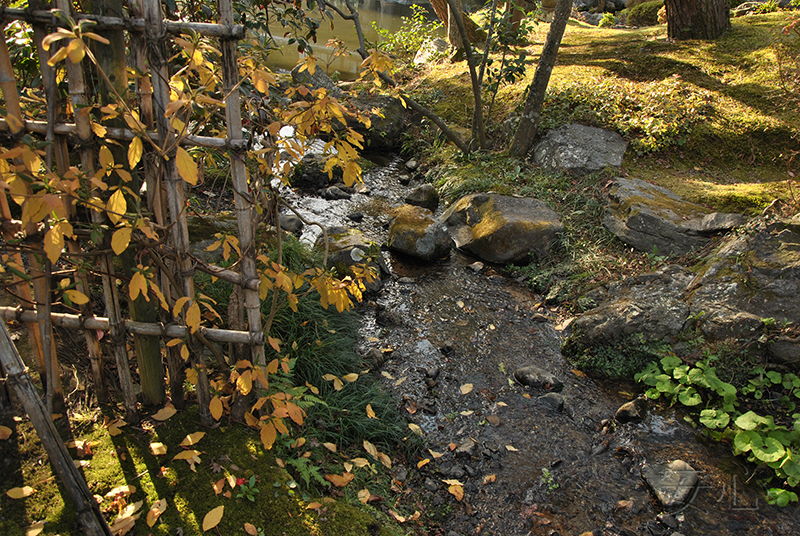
[565, 471]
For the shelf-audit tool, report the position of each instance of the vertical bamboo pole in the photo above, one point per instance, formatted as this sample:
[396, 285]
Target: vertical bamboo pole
[59, 147]
[83, 125]
[245, 209]
[176, 196]
[55, 399]
[88, 512]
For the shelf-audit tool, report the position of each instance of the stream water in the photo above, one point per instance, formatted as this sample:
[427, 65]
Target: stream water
[555, 471]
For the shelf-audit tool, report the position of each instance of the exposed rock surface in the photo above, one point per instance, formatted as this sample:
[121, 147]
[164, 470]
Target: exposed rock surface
[646, 216]
[424, 196]
[432, 50]
[672, 482]
[348, 247]
[633, 411]
[537, 377]
[580, 149]
[414, 231]
[387, 122]
[502, 229]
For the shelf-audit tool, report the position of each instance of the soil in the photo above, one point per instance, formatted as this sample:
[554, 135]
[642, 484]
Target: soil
[452, 334]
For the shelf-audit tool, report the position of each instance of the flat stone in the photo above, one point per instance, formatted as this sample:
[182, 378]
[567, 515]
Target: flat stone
[467, 448]
[554, 401]
[580, 148]
[672, 482]
[533, 376]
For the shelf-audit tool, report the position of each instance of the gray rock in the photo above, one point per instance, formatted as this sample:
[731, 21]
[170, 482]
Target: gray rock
[400, 473]
[348, 247]
[467, 448]
[580, 149]
[387, 117]
[534, 376]
[375, 357]
[291, 223]
[310, 174]
[671, 483]
[431, 50]
[431, 485]
[648, 217]
[553, 400]
[315, 81]
[633, 411]
[476, 267]
[335, 193]
[503, 229]
[649, 307]
[414, 231]
[411, 165]
[424, 196]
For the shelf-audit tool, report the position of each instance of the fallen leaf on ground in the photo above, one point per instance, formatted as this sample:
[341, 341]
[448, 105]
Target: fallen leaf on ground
[400, 381]
[421, 463]
[158, 449]
[250, 529]
[121, 490]
[502, 404]
[371, 412]
[387, 375]
[435, 454]
[340, 481]
[5, 432]
[363, 495]
[467, 412]
[192, 439]
[466, 388]
[330, 446]
[313, 506]
[360, 462]
[187, 455]
[370, 448]
[385, 460]
[155, 511]
[35, 529]
[125, 521]
[20, 493]
[219, 486]
[415, 428]
[165, 413]
[213, 518]
[488, 479]
[511, 448]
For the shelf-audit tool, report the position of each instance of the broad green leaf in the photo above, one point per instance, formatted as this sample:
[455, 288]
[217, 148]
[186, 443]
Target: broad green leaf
[750, 421]
[745, 440]
[714, 418]
[770, 451]
[690, 397]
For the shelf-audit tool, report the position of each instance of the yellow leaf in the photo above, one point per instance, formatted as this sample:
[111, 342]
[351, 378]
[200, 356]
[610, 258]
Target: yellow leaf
[138, 285]
[35, 529]
[54, 239]
[193, 317]
[313, 506]
[415, 428]
[158, 449]
[219, 486]
[121, 490]
[268, 435]
[186, 455]
[337, 384]
[385, 460]
[370, 412]
[106, 159]
[350, 377]
[422, 463]
[436, 455]
[370, 448]
[20, 493]
[76, 50]
[456, 491]
[99, 130]
[275, 343]
[76, 296]
[192, 439]
[244, 383]
[191, 374]
[179, 303]
[488, 479]
[250, 529]
[120, 239]
[364, 495]
[466, 388]
[5, 433]
[511, 448]
[135, 151]
[165, 413]
[155, 511]
[187, 168]
[216, 408]
[340, 481]
[213, 518]
[330, 446]
[386, 375]
[116, 206]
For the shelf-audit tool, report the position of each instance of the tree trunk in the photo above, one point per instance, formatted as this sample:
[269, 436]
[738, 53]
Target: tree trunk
[526, 130]
[442, 11]
[697, 19]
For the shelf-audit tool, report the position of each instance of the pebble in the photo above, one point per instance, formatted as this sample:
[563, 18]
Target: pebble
[356, 217]
[431, 485]
[467, 448]
[633, 411]
[554, 401]
[411, 165]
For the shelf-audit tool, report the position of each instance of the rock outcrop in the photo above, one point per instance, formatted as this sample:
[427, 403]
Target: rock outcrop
[348, 247]
[414, 231]
[503, 229]
[650, 218]
[580, 149]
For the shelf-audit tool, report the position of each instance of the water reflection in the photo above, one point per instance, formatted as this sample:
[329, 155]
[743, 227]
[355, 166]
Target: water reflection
[386, 15]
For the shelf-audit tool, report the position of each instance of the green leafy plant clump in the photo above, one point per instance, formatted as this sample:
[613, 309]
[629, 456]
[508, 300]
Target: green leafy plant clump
[766, 440]
[413, 33]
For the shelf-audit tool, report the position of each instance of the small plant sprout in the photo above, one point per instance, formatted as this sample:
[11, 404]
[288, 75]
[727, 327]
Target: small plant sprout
[248, 489]
[548, 480]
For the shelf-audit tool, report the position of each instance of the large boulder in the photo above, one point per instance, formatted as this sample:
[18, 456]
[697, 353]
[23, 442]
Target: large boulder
[348, 248]
[751, 277]
[424, 196]
[414, 231]
[580, 149]
[387, 121]
[503, 229]
[648, 217]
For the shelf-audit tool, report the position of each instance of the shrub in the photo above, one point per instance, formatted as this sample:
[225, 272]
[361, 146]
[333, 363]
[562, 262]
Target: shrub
[607, 21]
[414, 31]
[662, 15]
[645, 14]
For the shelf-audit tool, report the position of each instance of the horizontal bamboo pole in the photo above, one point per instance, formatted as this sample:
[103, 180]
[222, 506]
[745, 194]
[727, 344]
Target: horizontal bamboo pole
[66, 129]
[233, 31]
[97, 322]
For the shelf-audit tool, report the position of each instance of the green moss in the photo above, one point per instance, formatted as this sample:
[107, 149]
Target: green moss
[645, 13]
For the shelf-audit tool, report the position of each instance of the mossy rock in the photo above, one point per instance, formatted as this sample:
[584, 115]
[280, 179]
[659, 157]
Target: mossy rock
[645, 14]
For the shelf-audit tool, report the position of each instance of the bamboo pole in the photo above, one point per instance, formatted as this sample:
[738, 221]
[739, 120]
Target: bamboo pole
[59, 147]
[235, 31]
[124, 134]
[245, 208]
[176, 200]
[173, 331]
[77, 92]
[88, 512]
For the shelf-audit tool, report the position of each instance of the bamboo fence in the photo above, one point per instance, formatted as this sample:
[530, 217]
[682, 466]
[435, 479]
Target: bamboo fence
[148, 35]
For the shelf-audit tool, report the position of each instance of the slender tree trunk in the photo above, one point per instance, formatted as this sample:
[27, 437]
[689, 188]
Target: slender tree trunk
[697, 19]
[526, 130]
